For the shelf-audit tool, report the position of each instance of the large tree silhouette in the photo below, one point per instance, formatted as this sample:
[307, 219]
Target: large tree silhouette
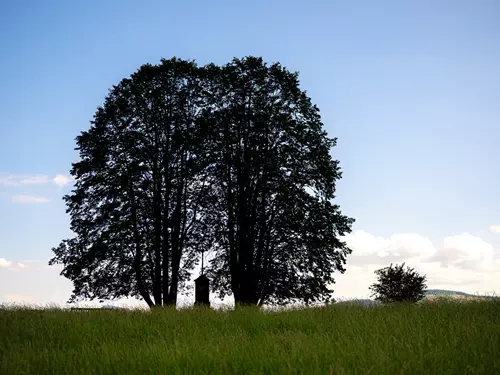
[138, 188]
[232, 160]
[277, 232]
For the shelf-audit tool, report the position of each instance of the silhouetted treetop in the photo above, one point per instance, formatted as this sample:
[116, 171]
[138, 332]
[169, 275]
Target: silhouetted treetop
[229, 159]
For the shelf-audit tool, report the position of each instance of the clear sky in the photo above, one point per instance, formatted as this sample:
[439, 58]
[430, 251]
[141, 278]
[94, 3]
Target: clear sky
[410, 88]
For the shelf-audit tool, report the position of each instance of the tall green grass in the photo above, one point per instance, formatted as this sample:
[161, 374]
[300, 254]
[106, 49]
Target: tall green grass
[438, 338]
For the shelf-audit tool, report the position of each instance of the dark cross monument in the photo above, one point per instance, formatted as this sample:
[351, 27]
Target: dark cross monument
[202, 289]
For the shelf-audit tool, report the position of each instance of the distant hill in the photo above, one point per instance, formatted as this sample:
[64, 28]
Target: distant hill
[111, 307]
[443, 292]
[430, 293]
[440, 292]
[363, 301]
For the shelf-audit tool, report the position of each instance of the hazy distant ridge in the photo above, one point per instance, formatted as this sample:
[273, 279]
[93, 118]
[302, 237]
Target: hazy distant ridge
[441, 292]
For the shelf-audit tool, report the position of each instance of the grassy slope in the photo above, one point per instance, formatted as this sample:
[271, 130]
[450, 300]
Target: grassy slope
[443, 338]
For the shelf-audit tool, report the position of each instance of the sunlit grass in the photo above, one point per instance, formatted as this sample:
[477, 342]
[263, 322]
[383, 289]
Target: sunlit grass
[430, 338]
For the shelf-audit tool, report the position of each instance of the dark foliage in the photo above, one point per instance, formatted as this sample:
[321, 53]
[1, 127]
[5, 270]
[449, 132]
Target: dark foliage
[138, 188]
[180, 159]
[395, 284]
[276, 230]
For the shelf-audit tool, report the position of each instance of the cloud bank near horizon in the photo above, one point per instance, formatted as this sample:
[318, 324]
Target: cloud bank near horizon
[35, 179]
[463, 262]
[495, 228]
[18, 180]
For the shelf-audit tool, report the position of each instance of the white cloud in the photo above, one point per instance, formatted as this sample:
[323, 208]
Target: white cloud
[366, 243]
[8, 180]
[35, 285]
[467, 250]
[495, 228]
[463, 262]
[4, 263]
[411, 244]
[28, 199]
[18, 298]
[61, 180]
[370, 249]
[35, 179]
[17, 180]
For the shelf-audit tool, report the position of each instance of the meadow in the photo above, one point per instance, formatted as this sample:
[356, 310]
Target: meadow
[444, 337]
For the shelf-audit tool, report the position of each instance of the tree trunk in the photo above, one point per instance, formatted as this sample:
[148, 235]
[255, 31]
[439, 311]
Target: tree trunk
[157, 287]
[176, 246]
[166, 248]
[138, 253]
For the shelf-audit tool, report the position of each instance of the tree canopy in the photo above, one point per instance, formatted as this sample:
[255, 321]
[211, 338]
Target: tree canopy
[229, 159]
[395, 284]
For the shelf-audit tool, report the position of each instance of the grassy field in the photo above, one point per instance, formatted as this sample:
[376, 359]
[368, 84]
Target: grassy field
[431, 338]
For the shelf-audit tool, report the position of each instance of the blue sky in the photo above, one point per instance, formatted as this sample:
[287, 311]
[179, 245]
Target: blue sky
[410, 88]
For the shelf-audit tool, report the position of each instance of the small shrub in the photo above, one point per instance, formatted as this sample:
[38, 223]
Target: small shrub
[395, 284]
